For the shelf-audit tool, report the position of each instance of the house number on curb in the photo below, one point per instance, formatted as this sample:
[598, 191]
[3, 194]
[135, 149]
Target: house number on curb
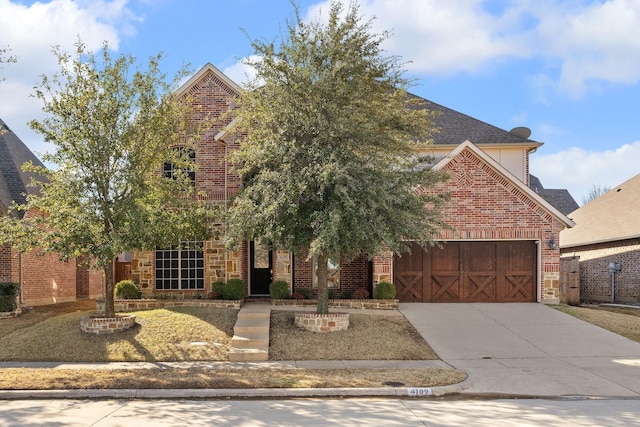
[419, 391]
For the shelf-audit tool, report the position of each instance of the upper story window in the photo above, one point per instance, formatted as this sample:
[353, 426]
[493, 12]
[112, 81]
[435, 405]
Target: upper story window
[169, 169]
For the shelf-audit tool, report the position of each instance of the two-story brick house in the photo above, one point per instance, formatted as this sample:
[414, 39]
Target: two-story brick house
[44, 278]
[503, 246]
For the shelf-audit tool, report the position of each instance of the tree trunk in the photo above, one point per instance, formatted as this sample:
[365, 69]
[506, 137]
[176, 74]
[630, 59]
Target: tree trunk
[109, 309]
[323, 289]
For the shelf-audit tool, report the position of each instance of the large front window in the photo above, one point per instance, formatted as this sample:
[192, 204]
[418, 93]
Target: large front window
[181, 267]
[169, 169]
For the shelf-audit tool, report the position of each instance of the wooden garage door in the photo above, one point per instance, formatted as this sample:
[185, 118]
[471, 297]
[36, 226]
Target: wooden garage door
[468, 272]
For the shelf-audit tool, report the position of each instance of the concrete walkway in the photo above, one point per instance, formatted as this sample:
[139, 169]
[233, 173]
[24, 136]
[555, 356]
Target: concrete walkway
[528, 350]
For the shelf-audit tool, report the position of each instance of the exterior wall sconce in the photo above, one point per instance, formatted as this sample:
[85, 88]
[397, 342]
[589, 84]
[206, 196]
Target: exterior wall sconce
[552, 244]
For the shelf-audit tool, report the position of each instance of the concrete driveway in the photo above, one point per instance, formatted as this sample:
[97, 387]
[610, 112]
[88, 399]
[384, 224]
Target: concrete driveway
[528, 350]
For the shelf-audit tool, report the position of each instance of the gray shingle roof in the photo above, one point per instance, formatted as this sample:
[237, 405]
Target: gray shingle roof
[559, 198]
[608, 218]
[13, 181]
[456, 127]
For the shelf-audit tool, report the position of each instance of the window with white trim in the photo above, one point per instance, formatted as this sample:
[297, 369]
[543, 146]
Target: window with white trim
[333, 273]
[181, 267]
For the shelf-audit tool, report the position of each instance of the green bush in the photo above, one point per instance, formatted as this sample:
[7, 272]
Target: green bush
[126, 289]
[385, 290]
[9, 292]
[306, 292]
[234, 289]
[332, 294]
[216, 289]
[346, 294]
[279, 289]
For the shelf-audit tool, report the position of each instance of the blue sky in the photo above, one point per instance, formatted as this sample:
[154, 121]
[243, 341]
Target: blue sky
[567, 69]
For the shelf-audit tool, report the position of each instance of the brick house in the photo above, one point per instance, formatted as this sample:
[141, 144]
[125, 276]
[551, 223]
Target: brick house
[44, 279]
[607, 231]
[503, 247]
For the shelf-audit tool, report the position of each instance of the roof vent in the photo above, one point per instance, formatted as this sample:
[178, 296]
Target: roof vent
[521, 131]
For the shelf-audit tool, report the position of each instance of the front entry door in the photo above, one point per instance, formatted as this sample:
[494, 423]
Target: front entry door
[261, 260]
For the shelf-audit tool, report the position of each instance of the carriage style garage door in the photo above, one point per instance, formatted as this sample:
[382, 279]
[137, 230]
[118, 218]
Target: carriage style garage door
[468, 272]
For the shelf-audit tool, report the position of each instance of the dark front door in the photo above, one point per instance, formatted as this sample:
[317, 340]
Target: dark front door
[261, 261]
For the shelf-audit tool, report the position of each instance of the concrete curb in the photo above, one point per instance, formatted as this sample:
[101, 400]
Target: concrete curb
[275, 393]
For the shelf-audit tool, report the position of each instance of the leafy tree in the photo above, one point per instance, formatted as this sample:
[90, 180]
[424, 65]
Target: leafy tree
[113, 125]
[329, 156]
[595, 191]
[5, 58]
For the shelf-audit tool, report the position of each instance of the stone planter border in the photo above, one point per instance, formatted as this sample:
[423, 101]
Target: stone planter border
[367, 304]
[315, 322]
[100, 325]
[126, 305]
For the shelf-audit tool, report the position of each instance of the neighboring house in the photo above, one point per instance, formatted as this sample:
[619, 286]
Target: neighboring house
[607, 231]
[503, 247]
[44, 279]
[559, 198]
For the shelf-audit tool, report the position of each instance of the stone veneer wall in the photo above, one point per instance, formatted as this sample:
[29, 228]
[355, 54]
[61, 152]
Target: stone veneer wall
[314, 322]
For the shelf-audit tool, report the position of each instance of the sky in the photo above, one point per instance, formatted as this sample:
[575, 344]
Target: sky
[567, 69]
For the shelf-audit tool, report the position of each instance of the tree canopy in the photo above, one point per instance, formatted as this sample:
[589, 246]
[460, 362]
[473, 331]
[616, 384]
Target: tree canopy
[113, 125]
[329, 153]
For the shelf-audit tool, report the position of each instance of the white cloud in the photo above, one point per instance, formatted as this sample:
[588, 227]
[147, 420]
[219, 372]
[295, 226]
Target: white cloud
[31, 31]
[577, 169]
[581, 43]
[240, 72]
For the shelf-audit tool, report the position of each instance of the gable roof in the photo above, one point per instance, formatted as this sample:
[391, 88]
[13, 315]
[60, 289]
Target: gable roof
[527, 192]
[13, 181]
[608, 218]
[455, 128]
[231, 86]
[561, 199]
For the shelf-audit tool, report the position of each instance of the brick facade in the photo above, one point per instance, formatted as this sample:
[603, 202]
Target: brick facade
[485, 205]
[595, 276]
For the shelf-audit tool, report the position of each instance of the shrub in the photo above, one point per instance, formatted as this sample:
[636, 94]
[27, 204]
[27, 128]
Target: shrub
[297, 295]
[306, 292]
[9, 292]
[216, 289]
[279, 290]
[385, 290]
[346, 294]
[360, 293]
[234, 289]
[332, 294]
[126, 289]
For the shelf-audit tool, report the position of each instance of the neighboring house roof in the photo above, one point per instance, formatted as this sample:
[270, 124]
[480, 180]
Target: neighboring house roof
[13, 181]
[608, 218]
[561, 199]
[528, 192]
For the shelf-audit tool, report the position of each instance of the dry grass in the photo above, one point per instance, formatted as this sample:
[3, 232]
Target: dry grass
[160, 335]
[48, 379]
[52, 333]
[622, 321]
[369, 337]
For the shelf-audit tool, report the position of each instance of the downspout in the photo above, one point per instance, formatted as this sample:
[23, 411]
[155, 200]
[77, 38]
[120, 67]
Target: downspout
[226, 202]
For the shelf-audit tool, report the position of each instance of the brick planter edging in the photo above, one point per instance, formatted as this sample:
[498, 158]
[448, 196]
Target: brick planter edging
[370, 304]
[99, 325]
[126, 305]
[315, 322]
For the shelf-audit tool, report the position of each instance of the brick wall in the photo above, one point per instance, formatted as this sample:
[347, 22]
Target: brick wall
[485, 205]
[46, 279]
[595, 277]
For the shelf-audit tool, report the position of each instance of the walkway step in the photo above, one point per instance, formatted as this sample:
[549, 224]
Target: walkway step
[250, 341]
